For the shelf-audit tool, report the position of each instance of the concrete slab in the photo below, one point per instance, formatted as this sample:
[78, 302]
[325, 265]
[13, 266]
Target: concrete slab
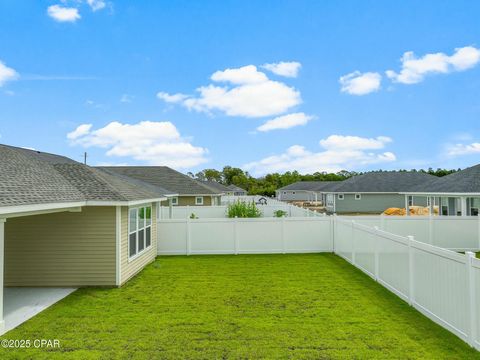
[23, 303]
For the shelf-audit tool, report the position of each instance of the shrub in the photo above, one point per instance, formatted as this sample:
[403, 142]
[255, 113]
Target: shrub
[243, 209]
[193, 216]
[279, 213]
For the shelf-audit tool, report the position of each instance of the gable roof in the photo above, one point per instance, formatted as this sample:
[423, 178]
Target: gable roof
[235, 188]
[163, 176]
[308, 185]
[30, 177]
[216, 186]
[381, 182]
[465, 181]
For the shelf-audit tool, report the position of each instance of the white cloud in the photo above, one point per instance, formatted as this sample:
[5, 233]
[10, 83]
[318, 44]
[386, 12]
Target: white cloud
[81, 130]
[126, 98]
[248, 93]
[63, 14]
[284, 68]
[285, 122]
[415, 69]
[6, 74]
[357, 83]
[156, 143]
[463, 149]
[339, 153]
[96, 5]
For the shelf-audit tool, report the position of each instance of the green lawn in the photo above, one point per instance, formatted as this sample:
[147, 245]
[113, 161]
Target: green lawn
[242, 307]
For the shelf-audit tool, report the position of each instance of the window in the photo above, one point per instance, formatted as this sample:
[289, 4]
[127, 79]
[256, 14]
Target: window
[284, 193]
[174, 200]
[139, 230]
[199, 200]
[341, 196]
[358, 196]
[410, 201]
[428, 202]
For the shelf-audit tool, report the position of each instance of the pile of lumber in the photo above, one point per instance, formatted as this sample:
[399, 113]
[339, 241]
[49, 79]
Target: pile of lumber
[414, 210]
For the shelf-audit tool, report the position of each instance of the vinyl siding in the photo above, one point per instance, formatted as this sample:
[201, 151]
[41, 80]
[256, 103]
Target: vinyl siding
[190, 200]
[131, 268]
[369, 203]
[61, 249]
[296, 195]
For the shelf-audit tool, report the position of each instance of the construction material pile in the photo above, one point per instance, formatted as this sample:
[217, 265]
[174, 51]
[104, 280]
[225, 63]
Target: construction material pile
[414, 210]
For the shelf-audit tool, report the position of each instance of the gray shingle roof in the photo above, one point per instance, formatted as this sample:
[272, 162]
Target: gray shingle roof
[163, 176]
[465, 181]
[381, 182]
[217, 187]
[32, 177]
[235, 188]
[309, 185]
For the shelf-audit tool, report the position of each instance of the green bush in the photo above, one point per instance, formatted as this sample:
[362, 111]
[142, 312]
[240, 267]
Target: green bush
[243, 209]
[279, 213]
[193, 216]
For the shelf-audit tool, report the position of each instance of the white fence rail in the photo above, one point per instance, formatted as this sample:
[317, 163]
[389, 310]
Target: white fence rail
[244, 236]
[448, 232]
[211, 212]
[440, 283]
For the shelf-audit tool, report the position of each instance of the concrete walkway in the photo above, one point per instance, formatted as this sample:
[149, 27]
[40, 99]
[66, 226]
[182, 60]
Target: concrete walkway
[23, 303]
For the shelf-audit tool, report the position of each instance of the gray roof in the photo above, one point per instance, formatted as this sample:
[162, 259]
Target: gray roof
[30, 177]
[172, 180]
[381, 182]
[216, 186]
[235, 187]
[465, 181]
[309, 185]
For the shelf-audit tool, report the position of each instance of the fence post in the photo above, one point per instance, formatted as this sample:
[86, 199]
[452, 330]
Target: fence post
[472, 334]
[235, 236]
[353, 243]
[377, 250]
[283, 234]
[430, 229]
[382, 221]
[478, 216]
[189, 247]
[333, 224]
[187, 211]
[411, 269]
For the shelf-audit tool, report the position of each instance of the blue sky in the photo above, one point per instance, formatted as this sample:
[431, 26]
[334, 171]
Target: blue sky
[197, 84]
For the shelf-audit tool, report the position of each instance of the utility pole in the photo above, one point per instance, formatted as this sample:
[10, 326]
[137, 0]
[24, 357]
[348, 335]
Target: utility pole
[85, 158]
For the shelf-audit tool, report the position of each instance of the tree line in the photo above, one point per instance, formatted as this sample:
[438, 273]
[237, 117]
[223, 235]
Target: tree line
[266, 185]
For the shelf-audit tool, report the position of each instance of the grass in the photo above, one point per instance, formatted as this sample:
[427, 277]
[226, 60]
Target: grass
[314, 306]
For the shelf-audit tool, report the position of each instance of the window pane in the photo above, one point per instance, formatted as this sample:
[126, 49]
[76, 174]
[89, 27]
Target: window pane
[132, 244]
[148, 236]
[149, 215]
[132, 217]
[141, 218]
[141, 240]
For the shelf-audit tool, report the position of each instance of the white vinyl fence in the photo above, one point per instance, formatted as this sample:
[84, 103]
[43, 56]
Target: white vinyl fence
[211, 212]
[460, 233]
[442, 284]
[245, 236]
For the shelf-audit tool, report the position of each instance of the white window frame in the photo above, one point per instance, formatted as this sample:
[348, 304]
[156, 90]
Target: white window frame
[196, 200]
[175, 201]
[137, 231]
[358, 196]
[341, 196]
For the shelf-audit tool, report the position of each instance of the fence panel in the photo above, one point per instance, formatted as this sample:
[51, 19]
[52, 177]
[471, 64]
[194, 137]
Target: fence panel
[476, 299]
[441, 287]
[456, 233]
[307, 235]
[212, 236]
[418, 227]
[364, 248]
[259, 236]
[172, 237]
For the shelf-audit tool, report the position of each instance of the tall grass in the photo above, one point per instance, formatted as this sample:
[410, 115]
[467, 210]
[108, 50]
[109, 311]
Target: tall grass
[242, 209]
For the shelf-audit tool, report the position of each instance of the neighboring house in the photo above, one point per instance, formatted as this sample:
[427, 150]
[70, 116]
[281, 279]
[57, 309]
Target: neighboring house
[237, 191]
[190, 191]
[454, 195]
[217, 187]
[373, 192]
[303, 191]
[65, 224]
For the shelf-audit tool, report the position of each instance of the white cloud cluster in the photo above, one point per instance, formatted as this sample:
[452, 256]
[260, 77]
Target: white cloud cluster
[357, 83]
[96, 5]
[63, 14]
[339, 153]
[156, 143]
[6, 74]
[284, 68]
[285, 122]
[463, 149]
[415, 69]
[247, 92]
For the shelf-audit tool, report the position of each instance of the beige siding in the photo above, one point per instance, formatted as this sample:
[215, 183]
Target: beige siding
[190, 200]
[131, 268]
[61, 249]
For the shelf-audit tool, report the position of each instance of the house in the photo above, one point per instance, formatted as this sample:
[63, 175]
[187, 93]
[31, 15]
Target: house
[373, 192]
[65, 224]
[190, 191]
[303, 191]
[217, 187]
[457, 194]
[237, 191]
